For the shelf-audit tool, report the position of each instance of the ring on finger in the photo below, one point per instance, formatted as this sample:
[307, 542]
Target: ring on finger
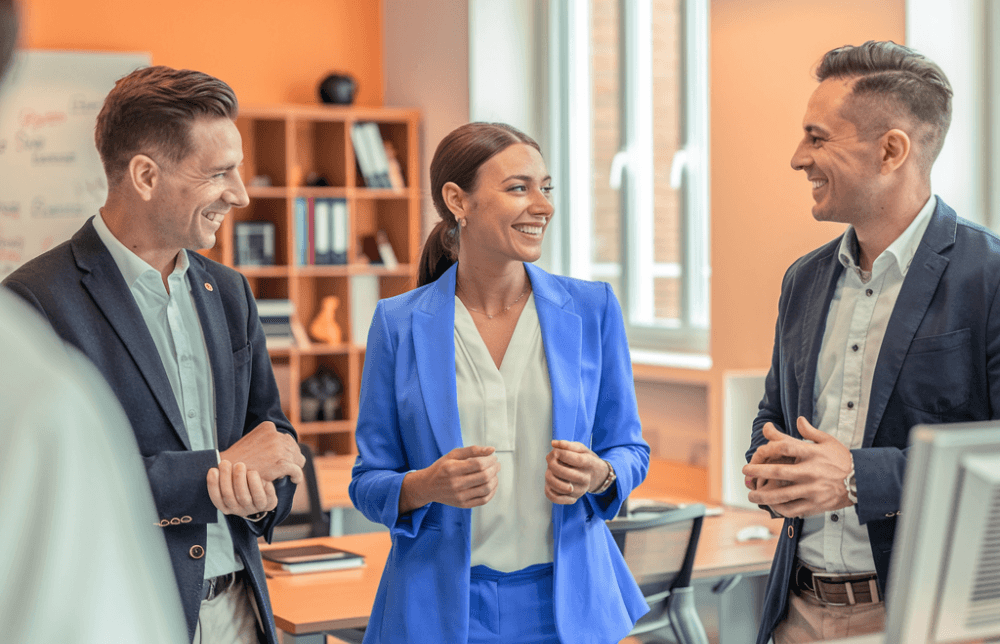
[570, 488]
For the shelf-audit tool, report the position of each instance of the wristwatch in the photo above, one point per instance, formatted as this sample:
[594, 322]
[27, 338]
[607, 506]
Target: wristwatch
[608, 481]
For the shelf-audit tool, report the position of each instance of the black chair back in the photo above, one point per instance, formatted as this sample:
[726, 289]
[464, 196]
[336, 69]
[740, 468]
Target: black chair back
[312, 513]
[659, 545]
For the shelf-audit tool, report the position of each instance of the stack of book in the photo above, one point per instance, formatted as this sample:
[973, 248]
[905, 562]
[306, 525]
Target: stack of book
[276, 318]
[321, 231]
[377, 159]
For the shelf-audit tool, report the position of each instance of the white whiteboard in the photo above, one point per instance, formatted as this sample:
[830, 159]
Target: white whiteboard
[51, 178]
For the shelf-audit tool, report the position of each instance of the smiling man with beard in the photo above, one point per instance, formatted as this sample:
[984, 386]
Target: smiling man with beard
[178, 338]
[893, 324]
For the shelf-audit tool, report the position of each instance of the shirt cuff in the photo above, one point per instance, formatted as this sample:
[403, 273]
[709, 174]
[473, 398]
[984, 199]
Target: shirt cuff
[851, 483]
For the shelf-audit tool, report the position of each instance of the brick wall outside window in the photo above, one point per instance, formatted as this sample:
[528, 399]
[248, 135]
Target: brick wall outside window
[607, 114]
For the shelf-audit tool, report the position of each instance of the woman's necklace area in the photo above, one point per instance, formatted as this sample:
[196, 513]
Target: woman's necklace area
[527, 287]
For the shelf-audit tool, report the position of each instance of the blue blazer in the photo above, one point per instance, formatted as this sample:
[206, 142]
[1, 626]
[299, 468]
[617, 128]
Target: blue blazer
[408, 418]
[939, 363]
[78, 288]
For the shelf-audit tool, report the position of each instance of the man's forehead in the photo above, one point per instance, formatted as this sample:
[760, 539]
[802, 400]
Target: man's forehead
[824, 111]
[217, 141]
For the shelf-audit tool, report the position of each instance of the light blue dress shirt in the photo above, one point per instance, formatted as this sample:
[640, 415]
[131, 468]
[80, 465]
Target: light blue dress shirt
[174, 324]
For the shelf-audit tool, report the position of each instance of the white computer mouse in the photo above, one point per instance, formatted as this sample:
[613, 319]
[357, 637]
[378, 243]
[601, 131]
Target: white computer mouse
[752, 532]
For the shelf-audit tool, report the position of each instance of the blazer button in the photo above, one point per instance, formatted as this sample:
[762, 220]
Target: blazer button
[196, 552]
[185, 519]
[164, 523]
[889, 515]
[791, 532]
[175, 521]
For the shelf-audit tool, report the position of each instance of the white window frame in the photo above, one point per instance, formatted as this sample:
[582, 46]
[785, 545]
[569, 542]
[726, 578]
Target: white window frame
[682, 342]
[956, 35]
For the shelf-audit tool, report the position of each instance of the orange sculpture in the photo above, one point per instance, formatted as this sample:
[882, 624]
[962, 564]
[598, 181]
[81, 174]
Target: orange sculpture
[324, 327]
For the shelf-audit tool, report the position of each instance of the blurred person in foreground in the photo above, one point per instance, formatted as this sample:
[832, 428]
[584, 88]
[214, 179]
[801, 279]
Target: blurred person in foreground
[893, 324]
[178, 338]
[498, 425]
[81, 558]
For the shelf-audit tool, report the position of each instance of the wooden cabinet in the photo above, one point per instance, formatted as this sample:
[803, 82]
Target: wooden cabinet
[287, 144]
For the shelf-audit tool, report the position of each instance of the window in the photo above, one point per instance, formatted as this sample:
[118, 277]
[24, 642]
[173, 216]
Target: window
[629, 134]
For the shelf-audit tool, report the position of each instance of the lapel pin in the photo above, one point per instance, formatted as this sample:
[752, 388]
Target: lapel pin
[208, 287]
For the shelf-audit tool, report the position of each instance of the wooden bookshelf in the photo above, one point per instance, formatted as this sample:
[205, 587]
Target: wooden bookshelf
[286, 143]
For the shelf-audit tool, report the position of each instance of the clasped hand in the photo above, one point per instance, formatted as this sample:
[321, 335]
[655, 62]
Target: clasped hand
[243, 483]
[573, 470]
[798, 478]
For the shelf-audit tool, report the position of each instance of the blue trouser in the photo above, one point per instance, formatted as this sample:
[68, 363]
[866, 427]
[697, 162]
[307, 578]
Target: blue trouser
[512, 607]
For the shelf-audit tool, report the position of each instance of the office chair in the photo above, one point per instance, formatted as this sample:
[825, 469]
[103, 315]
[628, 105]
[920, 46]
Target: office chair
[659, 549]
[310, 513]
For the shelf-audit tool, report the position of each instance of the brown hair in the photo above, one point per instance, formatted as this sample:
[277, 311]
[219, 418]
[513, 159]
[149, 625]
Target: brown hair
[457, 159]
[151, 111]
[893, 83]
[8, 34]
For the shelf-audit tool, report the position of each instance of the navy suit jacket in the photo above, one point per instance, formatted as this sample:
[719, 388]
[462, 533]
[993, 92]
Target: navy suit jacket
[408, 418]
[79, 289]
[939, 363]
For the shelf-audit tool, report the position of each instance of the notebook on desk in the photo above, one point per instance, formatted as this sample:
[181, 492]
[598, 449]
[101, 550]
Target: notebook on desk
[633, 506]
[312, 558]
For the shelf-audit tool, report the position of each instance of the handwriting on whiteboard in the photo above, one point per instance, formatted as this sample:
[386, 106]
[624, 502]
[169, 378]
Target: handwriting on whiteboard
[51, 177]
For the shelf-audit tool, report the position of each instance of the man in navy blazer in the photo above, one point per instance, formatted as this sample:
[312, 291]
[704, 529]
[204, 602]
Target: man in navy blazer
[895, 323]
[178, 338]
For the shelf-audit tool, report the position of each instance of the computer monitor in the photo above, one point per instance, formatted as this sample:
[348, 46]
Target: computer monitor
[944, 585]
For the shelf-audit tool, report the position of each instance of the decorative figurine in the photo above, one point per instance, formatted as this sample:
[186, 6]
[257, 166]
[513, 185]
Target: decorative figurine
[324, 327]
[338, 89]
[321, 396]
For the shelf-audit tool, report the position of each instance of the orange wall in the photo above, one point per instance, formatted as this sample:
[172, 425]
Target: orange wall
[269, 52]
[762, 56]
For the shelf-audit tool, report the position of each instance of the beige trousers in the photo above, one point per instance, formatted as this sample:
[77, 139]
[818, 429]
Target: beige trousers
[809, 620]
[229, 618]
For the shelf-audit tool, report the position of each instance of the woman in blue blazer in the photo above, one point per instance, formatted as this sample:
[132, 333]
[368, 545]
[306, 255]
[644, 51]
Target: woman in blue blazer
[498, 427]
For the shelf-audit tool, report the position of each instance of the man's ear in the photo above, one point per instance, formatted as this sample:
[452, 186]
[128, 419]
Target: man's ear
[144, 176]
[455, 199]
[895, 148]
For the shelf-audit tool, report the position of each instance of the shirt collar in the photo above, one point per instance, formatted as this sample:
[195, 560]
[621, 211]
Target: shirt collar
[131, 265]
[902, 249]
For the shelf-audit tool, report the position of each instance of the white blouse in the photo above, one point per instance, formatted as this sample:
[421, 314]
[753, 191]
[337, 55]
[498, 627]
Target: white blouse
[510, 409]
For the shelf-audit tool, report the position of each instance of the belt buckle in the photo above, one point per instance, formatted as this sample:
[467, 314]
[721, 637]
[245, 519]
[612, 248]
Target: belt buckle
[799, 567]
[219, 584]
[210, 593]
[821, 576]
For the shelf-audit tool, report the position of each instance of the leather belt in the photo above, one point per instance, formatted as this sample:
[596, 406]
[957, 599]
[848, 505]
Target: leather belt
[836, 589]
[215, 586]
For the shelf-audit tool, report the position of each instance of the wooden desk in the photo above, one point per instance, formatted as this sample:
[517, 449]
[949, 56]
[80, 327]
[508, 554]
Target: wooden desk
[719, 553]
[333, 473]
[308, 604]
[305, 605]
